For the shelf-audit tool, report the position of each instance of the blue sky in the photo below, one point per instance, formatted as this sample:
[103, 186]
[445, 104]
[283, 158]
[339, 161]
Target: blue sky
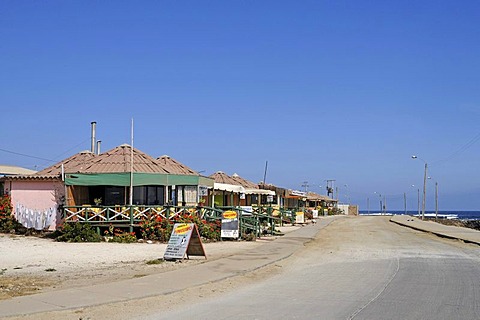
[344, 90]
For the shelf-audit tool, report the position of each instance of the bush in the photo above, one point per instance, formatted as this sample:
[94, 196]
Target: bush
[8, 223]
[77, 232]
[123, 236]
[159, 229]
[335, 211]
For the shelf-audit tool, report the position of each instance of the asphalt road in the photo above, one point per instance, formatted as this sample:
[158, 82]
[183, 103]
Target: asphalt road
[357, 268]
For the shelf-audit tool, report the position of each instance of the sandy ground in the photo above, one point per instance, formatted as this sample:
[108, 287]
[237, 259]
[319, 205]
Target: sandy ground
[31, 264]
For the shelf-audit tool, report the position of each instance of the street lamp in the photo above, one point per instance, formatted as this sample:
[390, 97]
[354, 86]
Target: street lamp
[424, 184]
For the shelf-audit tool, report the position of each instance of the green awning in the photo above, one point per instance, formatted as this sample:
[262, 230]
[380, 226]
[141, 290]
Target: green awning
[139, 179]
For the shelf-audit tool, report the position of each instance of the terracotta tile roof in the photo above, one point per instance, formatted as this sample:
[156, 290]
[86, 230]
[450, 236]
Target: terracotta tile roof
[73, 164]
[221, 177]
[243, 182]
[175, 167]
[118, 160]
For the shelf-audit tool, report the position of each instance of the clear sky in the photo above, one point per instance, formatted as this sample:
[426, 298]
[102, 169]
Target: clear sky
[344, 90]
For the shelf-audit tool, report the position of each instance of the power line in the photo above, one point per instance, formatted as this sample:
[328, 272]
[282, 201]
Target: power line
[459, 150]
[40, 158]
[63, 153]
[26, 155]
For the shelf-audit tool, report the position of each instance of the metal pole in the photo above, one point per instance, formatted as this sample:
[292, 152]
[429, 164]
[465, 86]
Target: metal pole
[93, 137]
[418, 199]
[436, 200]
[131, 168]
[424, 190]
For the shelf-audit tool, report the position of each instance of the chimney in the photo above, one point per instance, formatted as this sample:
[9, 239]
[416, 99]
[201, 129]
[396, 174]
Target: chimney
[99, 142]
[94, 126]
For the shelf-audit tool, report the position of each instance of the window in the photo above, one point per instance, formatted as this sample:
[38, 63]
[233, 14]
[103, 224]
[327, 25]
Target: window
[149, 195]
[114, 196]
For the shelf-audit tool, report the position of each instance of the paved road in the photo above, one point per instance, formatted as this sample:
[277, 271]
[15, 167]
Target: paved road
[357, 268]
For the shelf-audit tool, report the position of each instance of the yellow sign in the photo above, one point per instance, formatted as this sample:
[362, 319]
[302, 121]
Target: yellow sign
[183, 228]
[300, 217]
[229, 215]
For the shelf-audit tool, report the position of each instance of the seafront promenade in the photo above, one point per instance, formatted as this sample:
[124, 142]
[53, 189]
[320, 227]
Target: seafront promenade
[452, 232]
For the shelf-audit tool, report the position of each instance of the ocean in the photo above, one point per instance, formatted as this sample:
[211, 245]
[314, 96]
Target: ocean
[451, 214]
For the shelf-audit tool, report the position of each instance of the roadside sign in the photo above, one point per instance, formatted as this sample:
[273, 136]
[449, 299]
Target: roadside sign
[184, 240]
[230, 224]
[300, 217]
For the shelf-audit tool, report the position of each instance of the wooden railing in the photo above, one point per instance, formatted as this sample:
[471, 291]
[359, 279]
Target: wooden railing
[258, 221]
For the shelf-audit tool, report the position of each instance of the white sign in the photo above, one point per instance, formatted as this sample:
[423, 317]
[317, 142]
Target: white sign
[184, 239]
[230, 225]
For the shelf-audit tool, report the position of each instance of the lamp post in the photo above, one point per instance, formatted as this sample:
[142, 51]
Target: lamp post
[436, 200]
[424, 184]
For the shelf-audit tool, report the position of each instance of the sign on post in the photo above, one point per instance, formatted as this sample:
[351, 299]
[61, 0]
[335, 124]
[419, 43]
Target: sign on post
[299, 217]
[184, 240]
[230, 224]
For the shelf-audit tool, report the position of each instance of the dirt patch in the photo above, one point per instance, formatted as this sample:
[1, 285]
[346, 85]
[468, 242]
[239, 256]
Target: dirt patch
[22, 285]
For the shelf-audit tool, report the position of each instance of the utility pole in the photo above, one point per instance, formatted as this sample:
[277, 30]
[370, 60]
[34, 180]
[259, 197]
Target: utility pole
[424, 190]
[330, 188]
[436, 201]
[418, 198]
[305, 185]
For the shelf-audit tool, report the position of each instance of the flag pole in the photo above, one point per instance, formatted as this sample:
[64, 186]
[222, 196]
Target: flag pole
[131, 166]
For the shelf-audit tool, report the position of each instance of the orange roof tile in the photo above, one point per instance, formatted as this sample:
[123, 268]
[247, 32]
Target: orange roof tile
[118, 160]
[173, 166]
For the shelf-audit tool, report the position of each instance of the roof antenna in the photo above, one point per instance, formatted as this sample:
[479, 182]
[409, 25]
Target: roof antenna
[265, 174]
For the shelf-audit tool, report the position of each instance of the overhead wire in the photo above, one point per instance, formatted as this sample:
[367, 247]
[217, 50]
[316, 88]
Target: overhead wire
[40, 158]
[459, 151]
[26, 155]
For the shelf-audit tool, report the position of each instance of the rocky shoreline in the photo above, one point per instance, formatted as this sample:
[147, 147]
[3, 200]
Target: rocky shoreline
[472, 224]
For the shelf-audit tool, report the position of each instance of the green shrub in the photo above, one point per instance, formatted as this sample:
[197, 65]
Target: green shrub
[77, 232]
[8, 223]
[123, 237]
[159, 229]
